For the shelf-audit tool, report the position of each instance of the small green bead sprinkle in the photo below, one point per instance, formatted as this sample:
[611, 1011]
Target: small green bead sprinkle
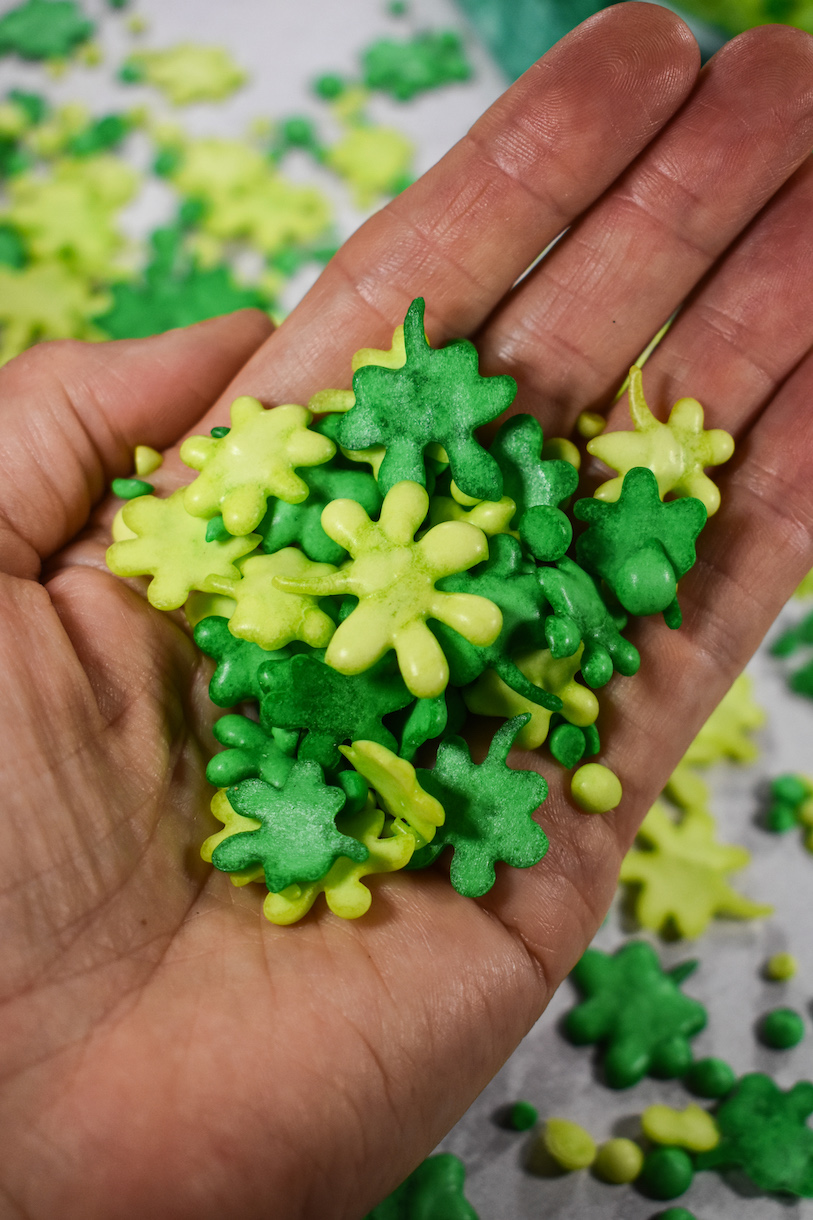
[667, 1173]
[523, 1116]
[780, 967]
[780, 818]
[790, 789]
[781, 1029]
[329, 87]
[166, 162]
[219, 432]
[130, 73]
[129, 489]
[710, 1078]
[676, 1213]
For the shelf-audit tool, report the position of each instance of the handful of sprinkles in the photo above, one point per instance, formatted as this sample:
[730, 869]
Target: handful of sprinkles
[365, 574]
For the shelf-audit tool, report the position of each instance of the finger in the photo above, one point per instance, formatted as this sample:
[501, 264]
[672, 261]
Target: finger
[751, 556]
[72, 413]
[570, 330]
[463, 233]
[746, 328]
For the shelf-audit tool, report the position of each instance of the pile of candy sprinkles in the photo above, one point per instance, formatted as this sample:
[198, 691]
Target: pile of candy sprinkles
[365, 573]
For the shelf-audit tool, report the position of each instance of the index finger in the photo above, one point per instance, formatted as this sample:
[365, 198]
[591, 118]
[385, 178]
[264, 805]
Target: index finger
[464, 232]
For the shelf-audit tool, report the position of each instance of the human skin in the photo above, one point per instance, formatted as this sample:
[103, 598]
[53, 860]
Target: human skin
[164, 1051]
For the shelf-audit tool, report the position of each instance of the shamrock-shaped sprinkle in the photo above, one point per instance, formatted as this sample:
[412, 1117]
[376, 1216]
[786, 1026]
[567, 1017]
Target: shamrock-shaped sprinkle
[285, 523]
[581, 616]
[637, 1011]
[528, 478]
[437, 396]
[238, 661]
[394, 579]
[273, 616]
[675, 452]
[251, 753]
[233, 824]
[489, 810]
[503, 580]
[255, 460]
[433, 1191]
[304, 693]
[765, 1132]
[297, 839]
[682, 875]
[171, 547]
[344, 892]
[639, 545]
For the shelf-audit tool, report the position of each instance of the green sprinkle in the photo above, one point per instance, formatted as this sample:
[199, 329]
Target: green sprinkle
[129, 489]
[216, 530]
[329, 87]
[710, 1078]
[667, 1173]
[522, 1116]
[782, 1029]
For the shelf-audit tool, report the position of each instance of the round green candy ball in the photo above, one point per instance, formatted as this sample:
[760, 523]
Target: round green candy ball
[676, 1213]
[329, 87]
[790, 789]
[710, 1078]
[667, 1173]
[780, 818]
[782, 1029]
[522, 1116]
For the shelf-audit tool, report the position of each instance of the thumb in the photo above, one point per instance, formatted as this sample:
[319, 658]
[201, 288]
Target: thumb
[71, 414]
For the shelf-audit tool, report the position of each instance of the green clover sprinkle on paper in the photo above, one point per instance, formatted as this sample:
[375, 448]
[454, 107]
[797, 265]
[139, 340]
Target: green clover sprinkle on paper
[764, 1131]
[637, 1011]
[682, 873]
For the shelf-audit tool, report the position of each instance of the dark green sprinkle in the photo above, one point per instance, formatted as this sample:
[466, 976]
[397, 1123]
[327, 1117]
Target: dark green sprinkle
[219, 432]
[329, 87]
[522, 1116]
[567, 744]
[781, 1029]
[216, 530]
[129, 489]
[710, 1078]
[667, 1173]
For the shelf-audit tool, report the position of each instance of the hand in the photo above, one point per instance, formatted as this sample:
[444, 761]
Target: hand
[166, 1053]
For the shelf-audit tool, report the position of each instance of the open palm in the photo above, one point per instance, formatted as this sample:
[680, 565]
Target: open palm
[165, 1052]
